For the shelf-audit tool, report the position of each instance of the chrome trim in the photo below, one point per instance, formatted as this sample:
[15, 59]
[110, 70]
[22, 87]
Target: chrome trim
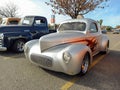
[42, 60]
[3, 49]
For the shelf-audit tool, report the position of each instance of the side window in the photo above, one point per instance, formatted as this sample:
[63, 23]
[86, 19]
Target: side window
[40, 22]
[93, 28]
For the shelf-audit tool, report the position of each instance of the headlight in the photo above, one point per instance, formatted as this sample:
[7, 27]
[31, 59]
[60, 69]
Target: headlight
[67, 57]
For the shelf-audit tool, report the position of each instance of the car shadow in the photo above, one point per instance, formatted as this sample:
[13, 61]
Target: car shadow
[11, 54]
[104, 75]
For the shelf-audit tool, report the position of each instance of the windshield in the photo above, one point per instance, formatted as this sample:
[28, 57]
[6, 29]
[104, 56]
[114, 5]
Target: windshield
[26, 21]
[77, 26]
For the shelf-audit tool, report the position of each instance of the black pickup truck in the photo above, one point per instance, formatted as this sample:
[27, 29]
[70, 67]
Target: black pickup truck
[14, 36]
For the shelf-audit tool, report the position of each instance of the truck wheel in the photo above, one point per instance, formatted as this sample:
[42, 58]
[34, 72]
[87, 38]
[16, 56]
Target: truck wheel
[19, 46]
[85, 64]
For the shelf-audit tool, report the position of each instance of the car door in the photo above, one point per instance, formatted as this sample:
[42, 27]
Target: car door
[94, 37]
[40, 27]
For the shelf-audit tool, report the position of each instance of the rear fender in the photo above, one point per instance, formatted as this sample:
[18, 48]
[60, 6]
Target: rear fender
[104, 42]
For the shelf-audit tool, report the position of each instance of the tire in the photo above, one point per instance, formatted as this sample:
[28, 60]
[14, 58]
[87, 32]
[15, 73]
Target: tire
[18, 46]
[85, 64]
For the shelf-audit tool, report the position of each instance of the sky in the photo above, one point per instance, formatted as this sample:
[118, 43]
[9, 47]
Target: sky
[110, 14]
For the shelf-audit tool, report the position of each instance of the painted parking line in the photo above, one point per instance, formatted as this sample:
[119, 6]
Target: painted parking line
[69, 84]
[72, 82]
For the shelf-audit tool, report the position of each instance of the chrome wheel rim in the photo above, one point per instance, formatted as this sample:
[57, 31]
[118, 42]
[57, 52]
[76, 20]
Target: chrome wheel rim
[20, 46]
[85, 65]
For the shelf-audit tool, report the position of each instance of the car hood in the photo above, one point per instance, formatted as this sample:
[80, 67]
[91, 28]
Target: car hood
[13, 28]
[54, 39]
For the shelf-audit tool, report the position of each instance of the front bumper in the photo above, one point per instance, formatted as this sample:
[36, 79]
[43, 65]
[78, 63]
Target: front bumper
[54, 63]
[3, 49]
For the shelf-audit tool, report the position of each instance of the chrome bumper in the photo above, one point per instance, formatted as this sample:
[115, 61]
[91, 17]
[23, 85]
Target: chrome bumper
[3, 49]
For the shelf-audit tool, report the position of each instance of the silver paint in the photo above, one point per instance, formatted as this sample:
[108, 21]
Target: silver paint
[52, 46]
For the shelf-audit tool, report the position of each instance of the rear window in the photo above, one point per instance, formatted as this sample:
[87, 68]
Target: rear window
[13, 22]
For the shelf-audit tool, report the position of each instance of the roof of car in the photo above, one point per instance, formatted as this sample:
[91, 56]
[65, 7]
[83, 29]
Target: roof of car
[79, 20]
[35, 16]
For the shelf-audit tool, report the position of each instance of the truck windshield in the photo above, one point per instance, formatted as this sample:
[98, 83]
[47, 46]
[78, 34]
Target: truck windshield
[27, 21]
[77, 26]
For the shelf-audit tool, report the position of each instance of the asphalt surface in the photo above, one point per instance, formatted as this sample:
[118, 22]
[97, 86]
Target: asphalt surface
[17, 73]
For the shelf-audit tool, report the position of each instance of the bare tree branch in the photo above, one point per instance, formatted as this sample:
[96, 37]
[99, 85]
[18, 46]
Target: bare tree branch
[10, 10]
[73, 8]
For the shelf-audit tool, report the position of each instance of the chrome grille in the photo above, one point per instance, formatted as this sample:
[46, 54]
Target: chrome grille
[0, 42]
[42, 60]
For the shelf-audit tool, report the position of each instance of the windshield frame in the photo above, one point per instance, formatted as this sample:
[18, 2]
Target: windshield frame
[30, 19]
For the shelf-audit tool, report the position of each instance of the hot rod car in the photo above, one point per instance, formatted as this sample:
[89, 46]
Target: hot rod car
[71, 49]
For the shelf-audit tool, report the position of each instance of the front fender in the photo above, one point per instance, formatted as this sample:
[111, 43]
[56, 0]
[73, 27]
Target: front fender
[9, 38]
[78, 51]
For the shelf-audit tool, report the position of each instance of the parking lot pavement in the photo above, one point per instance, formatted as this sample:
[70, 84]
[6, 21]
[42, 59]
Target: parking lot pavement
[17, 73]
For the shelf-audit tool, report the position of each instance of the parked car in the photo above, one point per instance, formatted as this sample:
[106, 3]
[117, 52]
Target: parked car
[15, 36]
[71, 49]
[116, 31]
[10, 21]
[104, 31]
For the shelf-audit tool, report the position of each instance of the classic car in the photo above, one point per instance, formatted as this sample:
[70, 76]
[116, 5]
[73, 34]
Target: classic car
[117, 31]
[104, 31]
[10, 21]
[71, 49]
[13, 37]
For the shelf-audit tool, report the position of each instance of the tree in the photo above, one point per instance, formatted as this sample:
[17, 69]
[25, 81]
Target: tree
[73, 8]
[100, 22]
[0, 20]
[108, 28]
[9, 10]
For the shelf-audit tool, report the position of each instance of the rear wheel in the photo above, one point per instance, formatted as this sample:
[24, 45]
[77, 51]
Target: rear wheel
[19, 46]
[85, 64]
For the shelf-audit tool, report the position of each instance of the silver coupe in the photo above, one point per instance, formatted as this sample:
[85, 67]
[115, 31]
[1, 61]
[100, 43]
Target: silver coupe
[71, 49]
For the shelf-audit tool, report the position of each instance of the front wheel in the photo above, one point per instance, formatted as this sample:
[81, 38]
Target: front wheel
[19, 46]
[85, 64]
